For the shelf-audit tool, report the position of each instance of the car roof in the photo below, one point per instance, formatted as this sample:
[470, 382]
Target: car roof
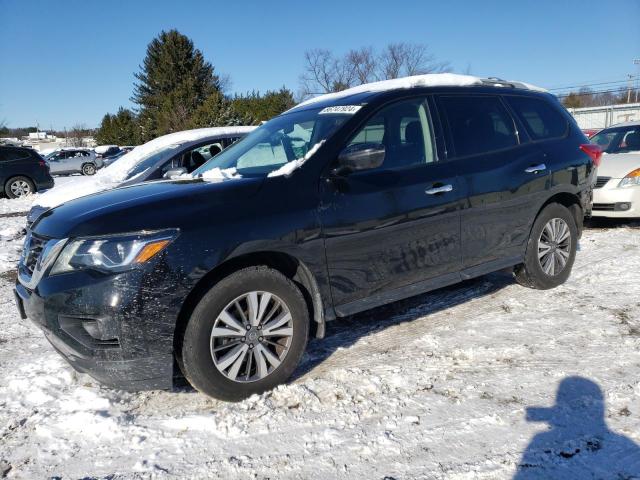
[633, 123]
[366, 92]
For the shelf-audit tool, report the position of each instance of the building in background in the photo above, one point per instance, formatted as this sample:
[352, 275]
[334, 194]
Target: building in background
[596, 118]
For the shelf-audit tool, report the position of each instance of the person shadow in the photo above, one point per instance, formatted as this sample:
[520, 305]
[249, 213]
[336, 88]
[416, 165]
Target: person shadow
[578, 445]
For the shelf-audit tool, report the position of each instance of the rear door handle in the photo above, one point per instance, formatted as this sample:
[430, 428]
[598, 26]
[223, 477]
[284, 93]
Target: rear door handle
[536, 168]
[442, 189]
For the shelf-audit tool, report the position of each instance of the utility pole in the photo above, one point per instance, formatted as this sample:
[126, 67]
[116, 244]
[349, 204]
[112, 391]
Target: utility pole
[629, 88]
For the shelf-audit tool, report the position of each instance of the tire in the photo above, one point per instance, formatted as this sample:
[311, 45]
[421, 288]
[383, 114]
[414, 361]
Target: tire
[254, 369]
[19, 187]
[546, 236]
[88, 169]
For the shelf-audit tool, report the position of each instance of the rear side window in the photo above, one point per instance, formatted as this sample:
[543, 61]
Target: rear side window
[11, 154]
[541, 120]
[478, 124]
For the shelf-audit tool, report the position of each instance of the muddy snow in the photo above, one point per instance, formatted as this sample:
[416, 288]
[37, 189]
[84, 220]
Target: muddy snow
[485, 379]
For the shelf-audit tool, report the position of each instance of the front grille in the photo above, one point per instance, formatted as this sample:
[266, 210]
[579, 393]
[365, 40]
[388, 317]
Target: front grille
[601, 182]
[33, 246]
[609, 207]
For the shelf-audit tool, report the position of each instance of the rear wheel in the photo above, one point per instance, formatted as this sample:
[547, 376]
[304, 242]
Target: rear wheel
[551, 249]
[88, 169]
[19, 187]
[246, 335]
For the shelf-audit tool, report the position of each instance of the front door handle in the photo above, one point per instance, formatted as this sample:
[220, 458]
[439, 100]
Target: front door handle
[442, 189]
[536, 168]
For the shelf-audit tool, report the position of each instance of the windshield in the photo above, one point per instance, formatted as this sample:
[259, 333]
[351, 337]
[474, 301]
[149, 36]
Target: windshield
[150, 160]
[282, 140]
[618, 140]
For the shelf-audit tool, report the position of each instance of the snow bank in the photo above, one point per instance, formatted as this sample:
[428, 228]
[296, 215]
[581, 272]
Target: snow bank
[437, 386]
[288, 168]
[427, 80]
[116, 173]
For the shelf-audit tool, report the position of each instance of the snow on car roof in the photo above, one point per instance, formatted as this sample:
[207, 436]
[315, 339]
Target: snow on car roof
[426, 80]
[116, 173]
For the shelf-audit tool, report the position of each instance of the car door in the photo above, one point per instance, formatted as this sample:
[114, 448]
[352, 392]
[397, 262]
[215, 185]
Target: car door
[393, 231]
[504, 174]
[57, 162]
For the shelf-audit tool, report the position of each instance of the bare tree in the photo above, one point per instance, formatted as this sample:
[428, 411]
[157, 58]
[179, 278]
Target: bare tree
[363, 63]
[404, 59]
[77, 134]
[225, 83]
[325, 72]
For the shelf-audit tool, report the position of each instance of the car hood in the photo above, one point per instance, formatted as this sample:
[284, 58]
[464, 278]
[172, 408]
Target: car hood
[618, 165]
[144, 206]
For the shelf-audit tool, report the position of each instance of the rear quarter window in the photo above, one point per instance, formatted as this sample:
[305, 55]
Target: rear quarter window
[478, 124]
[541, 119]
[11, 154]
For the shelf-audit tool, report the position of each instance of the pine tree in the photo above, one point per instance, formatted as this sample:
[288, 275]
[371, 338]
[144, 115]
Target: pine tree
[263, 107]
[119, 129]
[217, 111]
[174, 80]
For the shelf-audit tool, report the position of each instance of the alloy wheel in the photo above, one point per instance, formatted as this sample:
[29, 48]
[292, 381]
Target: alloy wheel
[20, 188]
[88, 169]
[554, 246]
[251, 336]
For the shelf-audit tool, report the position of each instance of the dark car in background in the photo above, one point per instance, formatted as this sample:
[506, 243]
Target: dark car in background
[22, 172]
[344, 203]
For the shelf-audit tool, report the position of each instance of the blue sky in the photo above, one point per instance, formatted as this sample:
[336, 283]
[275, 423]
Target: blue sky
[71, 61]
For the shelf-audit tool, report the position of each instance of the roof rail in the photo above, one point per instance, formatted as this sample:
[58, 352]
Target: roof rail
[499, 82]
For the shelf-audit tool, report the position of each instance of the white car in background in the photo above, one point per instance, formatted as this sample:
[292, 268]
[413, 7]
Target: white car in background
[616, 193]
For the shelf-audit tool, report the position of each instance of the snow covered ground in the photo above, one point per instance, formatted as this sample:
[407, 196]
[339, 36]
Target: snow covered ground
[438, 386]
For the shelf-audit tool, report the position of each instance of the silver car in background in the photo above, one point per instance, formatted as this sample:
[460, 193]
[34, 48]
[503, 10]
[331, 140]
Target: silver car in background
[73, 160]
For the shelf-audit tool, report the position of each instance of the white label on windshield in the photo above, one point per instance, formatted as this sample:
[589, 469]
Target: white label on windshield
[347, 109]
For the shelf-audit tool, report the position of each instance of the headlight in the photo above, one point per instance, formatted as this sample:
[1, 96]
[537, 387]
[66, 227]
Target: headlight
[632, 179]
[115, 253]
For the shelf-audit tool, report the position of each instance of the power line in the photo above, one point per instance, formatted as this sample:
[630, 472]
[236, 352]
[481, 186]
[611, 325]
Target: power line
[595, 92]
[594, 84]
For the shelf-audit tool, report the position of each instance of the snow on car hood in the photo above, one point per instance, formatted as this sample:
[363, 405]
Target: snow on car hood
[618, 165]
[111, 176]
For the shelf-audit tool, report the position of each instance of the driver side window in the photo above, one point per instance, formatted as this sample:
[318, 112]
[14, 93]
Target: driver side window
[405, 132]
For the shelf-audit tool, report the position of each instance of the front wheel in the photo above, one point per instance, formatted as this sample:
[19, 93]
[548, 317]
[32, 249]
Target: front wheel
[551, 249]
[246, 335]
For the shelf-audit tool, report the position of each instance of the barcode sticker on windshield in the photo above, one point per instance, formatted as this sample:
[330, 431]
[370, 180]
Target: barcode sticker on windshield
[347, 109]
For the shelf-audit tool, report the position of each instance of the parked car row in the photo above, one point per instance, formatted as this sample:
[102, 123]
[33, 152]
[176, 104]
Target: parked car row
[164, 157]
[341, 204]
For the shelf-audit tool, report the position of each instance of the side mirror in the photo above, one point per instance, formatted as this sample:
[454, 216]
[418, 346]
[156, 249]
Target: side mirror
[175, 172]
[363, 156]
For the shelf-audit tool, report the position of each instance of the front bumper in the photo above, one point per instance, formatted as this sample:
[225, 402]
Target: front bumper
[610, 200]
[115, 328]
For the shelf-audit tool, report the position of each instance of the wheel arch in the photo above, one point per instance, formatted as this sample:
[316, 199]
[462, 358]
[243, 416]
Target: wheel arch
[290, 266]
[573, 204]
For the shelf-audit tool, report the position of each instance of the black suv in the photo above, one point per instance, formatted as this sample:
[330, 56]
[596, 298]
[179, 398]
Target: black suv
[22, 172]
[344, 203]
